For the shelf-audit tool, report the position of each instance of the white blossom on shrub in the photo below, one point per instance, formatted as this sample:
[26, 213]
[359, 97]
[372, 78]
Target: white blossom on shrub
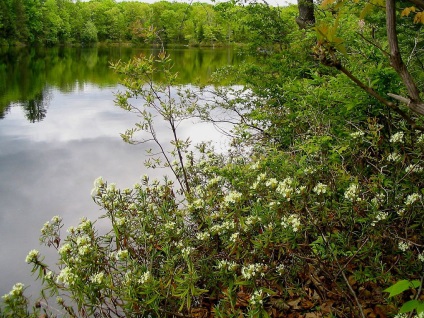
[32, 256]
[292, 221]
[412, 198]
[403, 246]
[320, 188]
[397, 137]
[253, 270]
[352, 192]
[394, 157]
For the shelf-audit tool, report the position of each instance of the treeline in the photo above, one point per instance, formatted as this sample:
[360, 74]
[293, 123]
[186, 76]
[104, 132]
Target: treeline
[52, 22]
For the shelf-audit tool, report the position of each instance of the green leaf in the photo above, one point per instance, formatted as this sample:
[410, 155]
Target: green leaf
[409, 306]
[398, 287]
[420, 307]
[415, 283]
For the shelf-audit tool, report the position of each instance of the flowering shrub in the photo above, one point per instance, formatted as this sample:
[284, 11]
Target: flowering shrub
[321, 212]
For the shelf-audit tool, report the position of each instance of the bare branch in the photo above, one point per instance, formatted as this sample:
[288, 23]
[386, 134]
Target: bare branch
[396, 61]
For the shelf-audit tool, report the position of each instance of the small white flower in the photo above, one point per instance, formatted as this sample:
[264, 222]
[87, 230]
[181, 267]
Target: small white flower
[421, 257]
[169, 225]
[414, 168]
[280, 269]
[256, 298]
[98, 278]
[357, 134]
[320, 188]
[309, 170]
[65, 249]
[397, 137]
[234, 237]
[272, 183]
[186, 251]
[394, 157]
[380, 217]
[145, 278]
[253, 270]
[403, 246]
[56, 219]
[412, 198]
[232, 197]
[17, 290]
[352, 192]
[292, 221]
[401, 212]
[32, 256]
[203, 236]
[255, 166]
[122, 255]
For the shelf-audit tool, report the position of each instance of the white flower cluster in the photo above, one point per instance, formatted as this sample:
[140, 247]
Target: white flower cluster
[98, 183]
[203, 236]
[403, 246]
[32, 256]
[352, 192]
[420, 315]
[421, 257]
[186, 251]
[121, 255]
[378, 200]
[85, 225]
[394, 157]
[98, 278]
[379, 217]
[309, 170]
[280, 269]
[65, 249]
[253, 270]
[223, 228]
[357, 134]
[255, 165]
[66, 276]
[214, 181]
[252, 220]
[412, 198]
[169, 225]
[145, 277]
[232, 198]
[414, 168]
[234, 237]
[259, 179]
[401, 212]
[120, 221]
[320, 188]
[228, 266]
[17, 290]
[84, 245]
[256, 298]
[292, 221]
[397, 137]
[271, 183]
[285, 188]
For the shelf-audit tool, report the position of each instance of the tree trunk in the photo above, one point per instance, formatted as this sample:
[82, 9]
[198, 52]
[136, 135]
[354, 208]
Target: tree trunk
[306, 13]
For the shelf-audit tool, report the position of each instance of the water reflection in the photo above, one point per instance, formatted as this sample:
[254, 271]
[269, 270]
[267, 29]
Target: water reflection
[47, 168]
[26, 73]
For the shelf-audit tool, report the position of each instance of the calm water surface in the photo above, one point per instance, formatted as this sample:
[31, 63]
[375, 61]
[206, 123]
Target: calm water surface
[59, 130]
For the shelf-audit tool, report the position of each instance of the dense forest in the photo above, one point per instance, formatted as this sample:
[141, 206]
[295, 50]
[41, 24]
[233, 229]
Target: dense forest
[316, 210]
[51, 22]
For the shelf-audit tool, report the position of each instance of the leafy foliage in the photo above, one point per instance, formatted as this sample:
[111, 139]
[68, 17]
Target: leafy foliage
[314, 210]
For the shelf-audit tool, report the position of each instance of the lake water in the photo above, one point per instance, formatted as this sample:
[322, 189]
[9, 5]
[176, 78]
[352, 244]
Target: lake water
[59, 131]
